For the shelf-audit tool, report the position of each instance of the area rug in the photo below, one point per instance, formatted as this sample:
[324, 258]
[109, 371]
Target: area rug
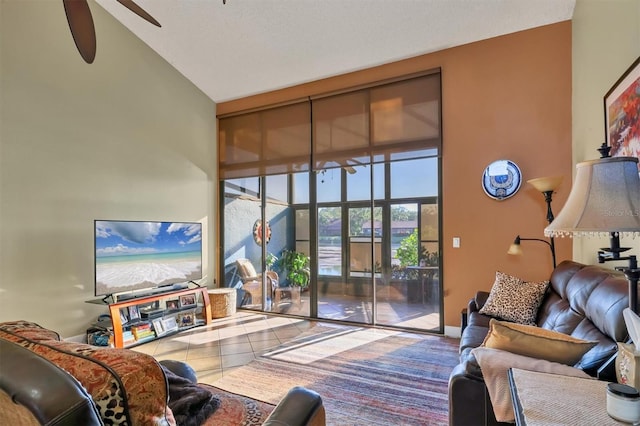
[236, 410]
[365, 376]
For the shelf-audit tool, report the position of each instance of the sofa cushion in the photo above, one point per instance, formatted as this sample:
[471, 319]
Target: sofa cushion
[594, 293]
[12, 413]
[536, 342]
[513, 299]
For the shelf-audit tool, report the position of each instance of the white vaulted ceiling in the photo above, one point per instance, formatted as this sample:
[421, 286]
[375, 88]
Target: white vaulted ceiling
[245, 47]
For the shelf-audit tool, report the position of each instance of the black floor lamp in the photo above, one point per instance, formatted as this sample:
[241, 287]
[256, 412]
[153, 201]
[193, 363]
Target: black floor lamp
[515, 248]
[546, 185]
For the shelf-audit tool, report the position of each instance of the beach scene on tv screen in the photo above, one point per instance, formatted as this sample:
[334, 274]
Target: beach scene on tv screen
[138, 255]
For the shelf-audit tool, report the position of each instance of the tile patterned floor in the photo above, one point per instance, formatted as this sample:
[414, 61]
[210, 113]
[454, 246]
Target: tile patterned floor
[227, 343]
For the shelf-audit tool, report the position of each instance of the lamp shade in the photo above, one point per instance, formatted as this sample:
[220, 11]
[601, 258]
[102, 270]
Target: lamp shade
[545, 184]
[515, 249]
[605, 198]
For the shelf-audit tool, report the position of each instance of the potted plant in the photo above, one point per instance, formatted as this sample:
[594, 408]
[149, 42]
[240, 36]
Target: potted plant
[295, 266]
[270, 260]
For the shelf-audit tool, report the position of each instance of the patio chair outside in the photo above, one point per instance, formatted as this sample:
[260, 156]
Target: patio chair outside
[252, 282]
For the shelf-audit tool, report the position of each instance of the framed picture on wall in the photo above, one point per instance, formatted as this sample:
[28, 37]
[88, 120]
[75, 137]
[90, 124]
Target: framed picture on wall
[622, 114]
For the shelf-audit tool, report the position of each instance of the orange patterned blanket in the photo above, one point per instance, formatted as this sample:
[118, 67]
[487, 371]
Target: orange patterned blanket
[128, 387]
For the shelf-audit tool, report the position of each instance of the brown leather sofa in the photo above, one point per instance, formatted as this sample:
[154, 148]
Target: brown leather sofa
[583, 301]
[34, 390]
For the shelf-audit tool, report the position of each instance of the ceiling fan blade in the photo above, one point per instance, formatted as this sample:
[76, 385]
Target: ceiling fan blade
[129, 4]
[82, 29]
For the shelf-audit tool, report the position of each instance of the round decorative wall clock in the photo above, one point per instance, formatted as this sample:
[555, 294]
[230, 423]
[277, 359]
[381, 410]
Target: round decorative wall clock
[501, 179]
[257, 232]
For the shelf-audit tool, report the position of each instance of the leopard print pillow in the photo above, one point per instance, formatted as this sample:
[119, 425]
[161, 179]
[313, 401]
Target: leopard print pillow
[513, 299]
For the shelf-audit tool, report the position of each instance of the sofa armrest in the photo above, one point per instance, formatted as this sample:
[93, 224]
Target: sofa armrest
[607, 370]
[479, 300]
[52, 395]
[299, 407]
[469, 402]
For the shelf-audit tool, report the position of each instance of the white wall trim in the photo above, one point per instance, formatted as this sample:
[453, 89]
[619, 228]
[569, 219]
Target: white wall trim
[79, 338]
[451, 331]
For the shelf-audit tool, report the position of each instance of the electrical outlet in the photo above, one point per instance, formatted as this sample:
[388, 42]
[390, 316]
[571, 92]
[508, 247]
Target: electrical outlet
[456, 242]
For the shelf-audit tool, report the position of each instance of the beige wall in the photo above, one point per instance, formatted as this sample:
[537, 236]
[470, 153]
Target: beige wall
[606, 40]
[126, 137]
[507, 97]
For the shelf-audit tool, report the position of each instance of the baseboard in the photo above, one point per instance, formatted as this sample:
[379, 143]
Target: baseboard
[450, 331]
[80, 338]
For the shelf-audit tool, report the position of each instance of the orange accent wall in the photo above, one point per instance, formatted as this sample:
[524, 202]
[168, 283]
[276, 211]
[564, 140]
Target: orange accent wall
[507, 97]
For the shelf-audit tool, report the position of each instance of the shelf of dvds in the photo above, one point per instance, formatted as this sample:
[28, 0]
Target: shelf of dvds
[140, 320]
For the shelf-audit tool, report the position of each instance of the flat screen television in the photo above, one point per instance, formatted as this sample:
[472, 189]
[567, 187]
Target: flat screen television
[135, 255]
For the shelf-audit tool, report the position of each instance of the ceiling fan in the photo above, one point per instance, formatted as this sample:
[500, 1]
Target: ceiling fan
[82, 29]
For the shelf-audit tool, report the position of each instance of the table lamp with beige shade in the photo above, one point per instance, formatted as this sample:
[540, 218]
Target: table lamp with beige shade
[605, 201]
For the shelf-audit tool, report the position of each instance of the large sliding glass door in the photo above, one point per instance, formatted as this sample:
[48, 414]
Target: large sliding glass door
[347, 227]
[380, 264]
[413, 297]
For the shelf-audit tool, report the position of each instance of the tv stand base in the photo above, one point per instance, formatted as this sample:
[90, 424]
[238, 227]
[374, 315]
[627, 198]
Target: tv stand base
[172, 311]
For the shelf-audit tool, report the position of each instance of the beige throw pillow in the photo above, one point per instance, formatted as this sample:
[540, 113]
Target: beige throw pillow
[513, 299]
[536, 342]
